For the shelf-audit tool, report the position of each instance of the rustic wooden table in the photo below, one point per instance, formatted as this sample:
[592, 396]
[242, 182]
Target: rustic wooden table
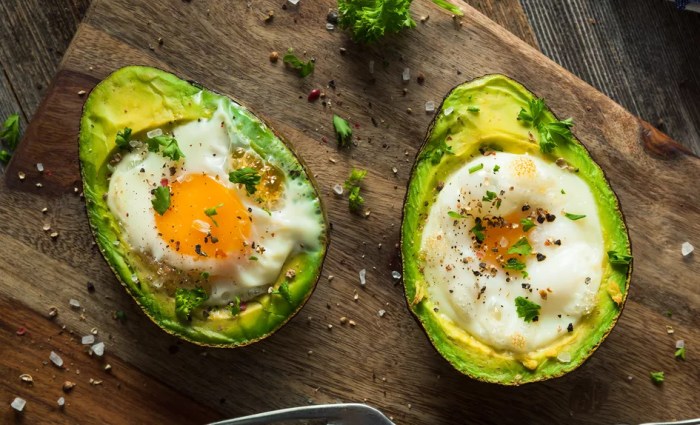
[641, 53]
[154, 378]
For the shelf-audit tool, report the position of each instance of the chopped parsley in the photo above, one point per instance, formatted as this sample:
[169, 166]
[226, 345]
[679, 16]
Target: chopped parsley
[527, 224]
[5, 156]
[574, 217]
[370, 20]
[526, 309]
[123, 137]
[496, 168]
[473, 108]
[521, 247]
[514, 264]
[435, 154]
[617, 258]
[303, 68]
[343, 132]
[235, 306]
[10, 131]
[204, 275]
[476, 168]
[211, 212]
[490, 196]
[455, 214]
[247, 177]
[169, 145]
[161, 199]
[352, 184]
[478, 231]
[563, 192]
[284, 292]
[550, 133]
[680, 353]
[187, 300]
[657, 377]
[253, 258]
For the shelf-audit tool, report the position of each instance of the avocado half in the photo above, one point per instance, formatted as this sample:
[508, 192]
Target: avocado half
[144, 98]
[482, 115]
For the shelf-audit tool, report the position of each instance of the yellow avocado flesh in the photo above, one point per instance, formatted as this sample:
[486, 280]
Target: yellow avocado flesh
[144, 98]
[478, 116]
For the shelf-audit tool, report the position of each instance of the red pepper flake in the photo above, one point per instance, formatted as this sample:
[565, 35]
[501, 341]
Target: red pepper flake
[314, 95]
[21, 331]
[244, 306]
[357, 125]
[164, 182]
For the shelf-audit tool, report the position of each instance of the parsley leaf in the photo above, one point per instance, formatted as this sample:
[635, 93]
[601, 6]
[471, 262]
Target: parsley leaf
[550, 133]
[161, 199]
[680, 353]
[478, 231]
[496, 168]
[123, 137]
[304, 68]
[5, 156]
[246, 176]
[210, 212]
[449, 7]
[356, 177]
[235, 306]
[490, 196]
[473, 109]
[476, 168]
[435, 154]
[455, 214]
[527, 224]
[370, 20]
[10, 131]
[617, 258]
[522, 247]
[657, 377]
[526, 309]
[343, 132]
[187, 300]
[353, 185]
[574, 217]
[514, 264]
[283, 291]
[169, 144]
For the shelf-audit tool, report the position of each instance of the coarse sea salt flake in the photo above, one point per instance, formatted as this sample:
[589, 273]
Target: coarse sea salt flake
[687, 249]
[329, 26]
[338, 189]
[61, 401]
[396, 275]
[406, 74]
[39, 167]
[564, 357]
[201, 226]
[74, 303]
[449, 110]
[56, 359]
[363, 277]
[680, 343]
[18, 404]
[429, 106]
[154, 133]
[98, 349]
[88, 339]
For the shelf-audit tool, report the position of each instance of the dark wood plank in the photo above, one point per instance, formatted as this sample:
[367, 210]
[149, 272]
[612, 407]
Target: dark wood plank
[643, 54]
[509, 14]
[386, 362]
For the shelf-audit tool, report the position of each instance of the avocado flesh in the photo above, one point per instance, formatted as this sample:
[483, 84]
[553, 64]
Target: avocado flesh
[495, 126]
[144, 98]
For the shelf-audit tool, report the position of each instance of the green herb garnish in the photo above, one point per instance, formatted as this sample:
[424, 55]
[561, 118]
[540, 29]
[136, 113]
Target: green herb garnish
[187, 300]
[476, 168]
[526, 309]
[5, 156]
[680, 353]
[10, 132]
[235, 306]
[514, 264]
[657, 377]
[496, 168]
[617, 258]
[123, 137]
[478, 231]
[211, 212]
[247, 177]
[522, 247]
[550, 133]
[303, 68]
[169, 145]
[352, 184]
[161, 199]
[527, 224]
[343, 132]
[284, 292]
[490, 196]
[574, 216]
[473, 108]
[370, 20]
[449, 7]
[455, 214]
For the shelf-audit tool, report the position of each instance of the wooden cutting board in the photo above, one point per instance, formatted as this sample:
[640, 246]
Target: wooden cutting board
[386, 361]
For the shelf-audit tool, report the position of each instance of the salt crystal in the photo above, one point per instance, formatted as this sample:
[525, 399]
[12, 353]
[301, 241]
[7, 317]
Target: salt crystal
[396, 275]
[293, 2]
[395, 170]
[154, 133]
[406, 74]
[18, 404]
[61, 401]
[74, 303]
[363, 276]
[680, 343]
[98, 349]
[201, 226]
[564, 357]
[330, 27]
[56, 359]
[338, 189]
[503, 242]
[135, 143]
[381, 313]
[687, 249]
[449, 110]
[40, 167]
[134, 278]
[429, 106]
[88, 339]
[115, 243]
[371, 67]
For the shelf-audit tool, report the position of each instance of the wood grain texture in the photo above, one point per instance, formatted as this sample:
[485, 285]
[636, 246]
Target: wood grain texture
[643, 54]
[384, 361]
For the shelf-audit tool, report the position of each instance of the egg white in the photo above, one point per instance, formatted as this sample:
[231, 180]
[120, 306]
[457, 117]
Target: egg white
[207, 145]
[572, 270]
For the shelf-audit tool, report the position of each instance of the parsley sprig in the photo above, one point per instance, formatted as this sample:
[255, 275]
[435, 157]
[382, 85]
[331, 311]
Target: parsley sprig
[292, 61]
[352, 184]
[10, 135]
[161, 199]
[521, 247]
[550, 133]
[246, 176]
[526, 309]
[168, 144]
[343, 131]
[187, 300]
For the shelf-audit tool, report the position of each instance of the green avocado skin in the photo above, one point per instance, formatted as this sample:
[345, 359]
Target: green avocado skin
[142, 98]
[483, 113]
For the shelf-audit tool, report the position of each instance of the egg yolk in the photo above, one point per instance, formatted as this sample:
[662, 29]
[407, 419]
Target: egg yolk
[205, 219]
[498, 238]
